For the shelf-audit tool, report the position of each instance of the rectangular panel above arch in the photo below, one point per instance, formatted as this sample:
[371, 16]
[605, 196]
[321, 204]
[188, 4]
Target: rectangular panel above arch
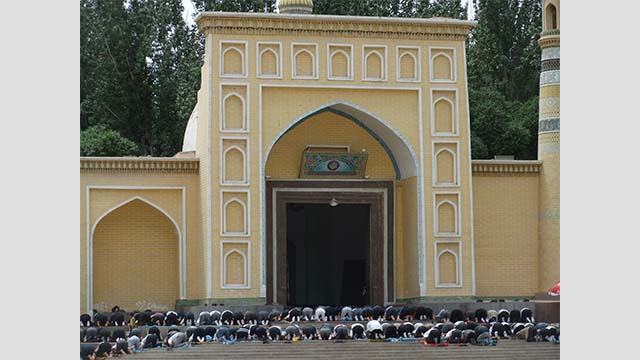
[104, 200]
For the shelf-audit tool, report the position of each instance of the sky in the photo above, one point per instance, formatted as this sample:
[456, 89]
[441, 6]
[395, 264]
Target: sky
[189, 10]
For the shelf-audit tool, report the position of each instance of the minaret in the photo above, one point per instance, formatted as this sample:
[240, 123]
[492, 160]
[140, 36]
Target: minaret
[295, 6]
[549, 148]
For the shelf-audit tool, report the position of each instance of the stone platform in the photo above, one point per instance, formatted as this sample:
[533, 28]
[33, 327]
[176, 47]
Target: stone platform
[356, 349]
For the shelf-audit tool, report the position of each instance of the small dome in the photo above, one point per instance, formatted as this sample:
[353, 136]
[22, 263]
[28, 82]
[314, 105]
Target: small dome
[295, 6]
[191, 132]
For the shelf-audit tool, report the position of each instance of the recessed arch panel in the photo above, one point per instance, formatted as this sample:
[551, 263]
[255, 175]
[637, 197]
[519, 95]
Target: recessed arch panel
[135, 224]
[447, 267]
[444, 116]
[235, 217]
[269, 63]
[374, 68]
[340, 64]
[234, 165]
[304, 62]
[551, 17]
[408, 66]
[442, 67]
[233, 61]
[235, 269]
[233, 112]
[447, 222]
[445, 167]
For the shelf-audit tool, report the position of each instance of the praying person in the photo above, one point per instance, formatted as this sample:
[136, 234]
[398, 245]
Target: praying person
[177, 340]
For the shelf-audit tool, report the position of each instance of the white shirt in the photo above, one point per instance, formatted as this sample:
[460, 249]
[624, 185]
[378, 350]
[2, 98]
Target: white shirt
[373, 325]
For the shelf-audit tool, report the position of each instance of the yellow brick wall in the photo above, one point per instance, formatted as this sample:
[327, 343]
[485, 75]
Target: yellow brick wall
[506, 234]
[400, 246]
[205, 142]
[272, 109]
[135, 258]
[326, 129]
[113, 191]
[458, 96]
[407, 238]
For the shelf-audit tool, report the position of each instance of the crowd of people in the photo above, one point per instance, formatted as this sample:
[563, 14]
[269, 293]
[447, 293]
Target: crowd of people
[392, 323]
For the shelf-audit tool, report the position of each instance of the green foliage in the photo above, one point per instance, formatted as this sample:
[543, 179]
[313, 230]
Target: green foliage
[393, 8]
[479, 149]
[99, 141]
[442, 8]
[503, 52]
[525, 115]
[502, 127]
[140, 66]
[503, 75]
[139, 70]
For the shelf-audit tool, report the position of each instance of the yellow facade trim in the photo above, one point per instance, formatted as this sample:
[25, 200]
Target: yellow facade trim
[509, 167]
[115, 164]
[549, 41]
[332, 26]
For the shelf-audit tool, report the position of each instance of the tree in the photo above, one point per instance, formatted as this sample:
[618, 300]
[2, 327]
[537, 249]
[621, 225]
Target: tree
[502, 127]
[115, 83]
[503, 52]
[174, 66]
[139, 70]
[442, 8]
[525, 114]
[99, 141]
[140, 66]
[503, 74]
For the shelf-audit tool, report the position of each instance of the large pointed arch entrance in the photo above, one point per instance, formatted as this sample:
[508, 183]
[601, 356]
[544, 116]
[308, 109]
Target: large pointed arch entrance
[333, 240]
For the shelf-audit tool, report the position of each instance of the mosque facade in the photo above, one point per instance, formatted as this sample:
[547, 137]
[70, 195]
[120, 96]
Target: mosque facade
[326, 154]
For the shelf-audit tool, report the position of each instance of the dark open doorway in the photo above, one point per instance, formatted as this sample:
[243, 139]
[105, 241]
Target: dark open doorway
[379, 253]
[328, 254]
